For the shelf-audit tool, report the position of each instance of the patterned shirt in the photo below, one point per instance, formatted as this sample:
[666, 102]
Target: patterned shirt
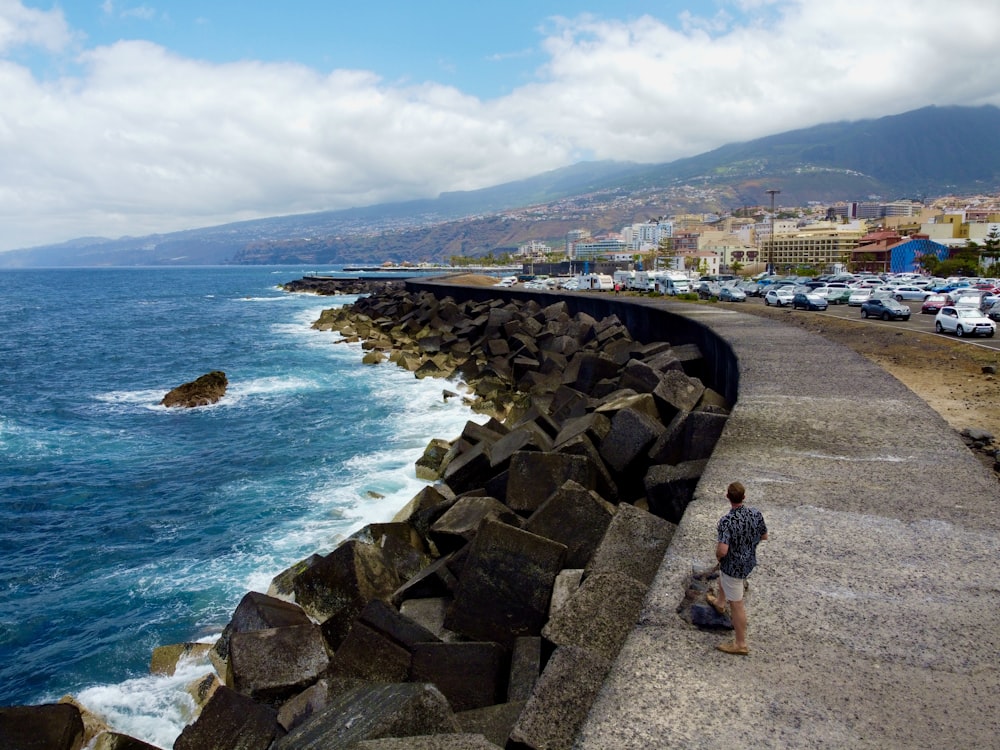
[741, 528]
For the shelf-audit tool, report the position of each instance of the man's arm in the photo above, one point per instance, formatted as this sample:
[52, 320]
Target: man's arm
[763, 537]
[721, 550]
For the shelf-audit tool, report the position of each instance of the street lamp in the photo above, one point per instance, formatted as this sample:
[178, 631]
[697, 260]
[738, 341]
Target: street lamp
[770, 250]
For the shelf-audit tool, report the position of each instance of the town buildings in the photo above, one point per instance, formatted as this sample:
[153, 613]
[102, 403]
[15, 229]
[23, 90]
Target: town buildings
[891, 236]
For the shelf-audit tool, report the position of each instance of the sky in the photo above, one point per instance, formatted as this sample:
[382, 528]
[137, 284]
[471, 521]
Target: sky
[122, 117]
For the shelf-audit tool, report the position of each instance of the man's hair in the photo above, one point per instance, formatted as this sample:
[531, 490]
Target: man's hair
[736, 492]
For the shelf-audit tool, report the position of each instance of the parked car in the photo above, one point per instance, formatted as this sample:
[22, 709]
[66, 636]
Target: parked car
[963, 321]
[909, 292]
[779, 297]
[994, 312]
[809, 301]
[858, 296]
[970, 301]
[886, 308]
[708, 289]
[933, 303]
[838, 295]
[732, 294]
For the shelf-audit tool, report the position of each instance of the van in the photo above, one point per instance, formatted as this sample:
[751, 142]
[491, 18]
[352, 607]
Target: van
[676, 286]
[597, 281]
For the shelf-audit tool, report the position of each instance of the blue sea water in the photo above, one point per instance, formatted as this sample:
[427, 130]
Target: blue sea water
[125, 525]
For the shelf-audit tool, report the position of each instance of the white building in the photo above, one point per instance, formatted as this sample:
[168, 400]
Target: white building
[534, 249]
[647, 235]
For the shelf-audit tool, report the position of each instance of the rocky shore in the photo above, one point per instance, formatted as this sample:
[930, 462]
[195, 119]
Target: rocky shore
[488, 611]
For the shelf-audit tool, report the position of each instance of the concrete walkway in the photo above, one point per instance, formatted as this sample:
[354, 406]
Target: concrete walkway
[874, 610]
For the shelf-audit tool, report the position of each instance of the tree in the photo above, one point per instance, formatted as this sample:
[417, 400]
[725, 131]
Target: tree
[991, 247]
[929, 262]
[665, 250]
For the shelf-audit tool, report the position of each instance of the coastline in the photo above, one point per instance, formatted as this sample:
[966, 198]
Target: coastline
[502, 399]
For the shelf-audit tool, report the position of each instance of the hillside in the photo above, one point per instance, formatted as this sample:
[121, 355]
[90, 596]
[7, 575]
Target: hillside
[921, 154]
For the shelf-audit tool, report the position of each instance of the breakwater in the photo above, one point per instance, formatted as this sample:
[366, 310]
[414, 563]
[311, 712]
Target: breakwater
[459, 591]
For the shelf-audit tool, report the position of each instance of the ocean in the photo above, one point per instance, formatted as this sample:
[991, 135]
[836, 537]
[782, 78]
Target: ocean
[125, 525]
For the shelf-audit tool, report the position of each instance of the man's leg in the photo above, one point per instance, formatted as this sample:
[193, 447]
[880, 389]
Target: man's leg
[738, 615]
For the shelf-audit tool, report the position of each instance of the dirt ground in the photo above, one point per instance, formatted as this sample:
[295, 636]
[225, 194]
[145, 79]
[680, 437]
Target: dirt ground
[946, 373]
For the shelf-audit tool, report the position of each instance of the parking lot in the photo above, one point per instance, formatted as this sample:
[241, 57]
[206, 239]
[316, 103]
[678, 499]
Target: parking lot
[919, 323]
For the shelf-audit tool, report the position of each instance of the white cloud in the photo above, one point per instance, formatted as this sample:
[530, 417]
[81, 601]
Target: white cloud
[21, 27]
[142, 140]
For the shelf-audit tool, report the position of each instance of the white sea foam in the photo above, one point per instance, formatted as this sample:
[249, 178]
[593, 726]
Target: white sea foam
[153, 708]
[144, 398]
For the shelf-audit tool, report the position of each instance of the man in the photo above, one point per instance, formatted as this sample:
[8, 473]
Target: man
[739, 532]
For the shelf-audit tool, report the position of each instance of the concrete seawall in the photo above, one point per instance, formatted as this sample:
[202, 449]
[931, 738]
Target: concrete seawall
[873, 613]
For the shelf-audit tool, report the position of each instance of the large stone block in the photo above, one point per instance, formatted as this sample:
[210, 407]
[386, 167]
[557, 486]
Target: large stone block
[677, 392]
[567, 582]
[470, 674]
[634, 545]
[430, 465]
[402, 548]
[631, 435]
[605, 485]
[230, 720]
[640, 377]
[282, 585]
[573, 516]
[394, 625]
[504, 589]
[702, 430]
[369, 655]
[343, 582]
[626, 398]
[274, 664]
[526, 437]
[533, 477]
[670, 446]
[586, 369]
[429, 613]
[599, 615]
[669, 489]
[51, 726]
[459, 525]
[471, 468]
[258, 611]
[434, 580]
[525, 667]
[372, 712]
[594, 425]
[562, 698]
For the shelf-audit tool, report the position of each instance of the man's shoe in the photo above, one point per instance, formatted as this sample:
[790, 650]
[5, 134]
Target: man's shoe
[730, 647]
[714, 603]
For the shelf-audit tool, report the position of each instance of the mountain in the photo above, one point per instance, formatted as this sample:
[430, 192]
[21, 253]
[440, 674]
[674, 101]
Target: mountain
[924, 153]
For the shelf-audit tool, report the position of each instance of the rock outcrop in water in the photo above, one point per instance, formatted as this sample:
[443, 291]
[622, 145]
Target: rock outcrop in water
[206, 390]
[487, 613]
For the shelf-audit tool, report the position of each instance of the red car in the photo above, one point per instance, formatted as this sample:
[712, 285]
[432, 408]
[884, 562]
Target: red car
[934, 303]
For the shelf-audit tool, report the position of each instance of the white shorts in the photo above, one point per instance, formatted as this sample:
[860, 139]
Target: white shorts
[732, 587]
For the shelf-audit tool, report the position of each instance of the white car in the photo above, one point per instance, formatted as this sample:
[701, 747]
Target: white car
[779, 297]
[964, 321]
